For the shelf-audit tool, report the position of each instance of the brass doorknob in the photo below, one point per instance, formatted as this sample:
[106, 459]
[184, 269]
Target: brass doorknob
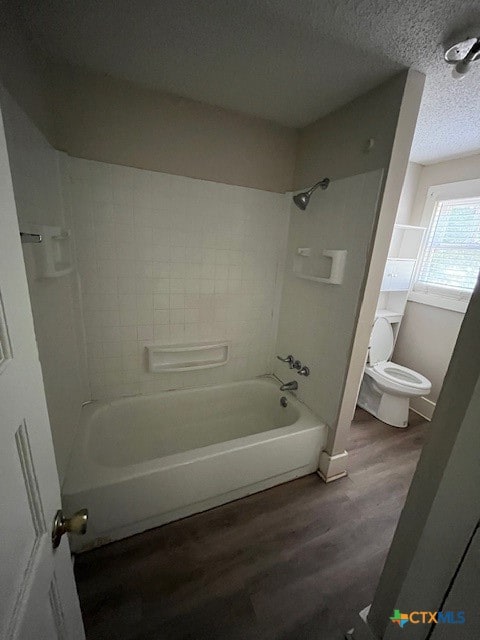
[75, 524]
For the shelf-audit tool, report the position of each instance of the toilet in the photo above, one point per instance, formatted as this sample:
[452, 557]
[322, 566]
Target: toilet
[387, 387]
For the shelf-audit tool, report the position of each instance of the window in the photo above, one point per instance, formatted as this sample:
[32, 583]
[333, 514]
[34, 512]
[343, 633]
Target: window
[449, 263]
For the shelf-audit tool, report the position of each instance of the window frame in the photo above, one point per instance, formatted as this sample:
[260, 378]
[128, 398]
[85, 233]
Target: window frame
[436, 296]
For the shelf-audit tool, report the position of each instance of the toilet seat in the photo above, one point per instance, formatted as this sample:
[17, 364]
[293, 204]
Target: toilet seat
[380, 347]
[387, 388]
[402, 375]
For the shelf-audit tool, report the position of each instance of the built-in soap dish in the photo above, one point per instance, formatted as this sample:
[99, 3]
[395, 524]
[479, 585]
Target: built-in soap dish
[309, 264]
[186, 357]
[52, 248]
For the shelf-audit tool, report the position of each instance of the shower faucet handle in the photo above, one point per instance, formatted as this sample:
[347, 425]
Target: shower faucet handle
[290, 360]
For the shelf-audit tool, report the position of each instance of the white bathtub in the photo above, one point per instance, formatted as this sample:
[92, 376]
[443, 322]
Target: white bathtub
[142, 461]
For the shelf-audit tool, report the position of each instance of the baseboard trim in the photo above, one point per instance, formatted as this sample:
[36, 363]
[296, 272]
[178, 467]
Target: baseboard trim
[332, 468]
[423, 406]
[331, 478]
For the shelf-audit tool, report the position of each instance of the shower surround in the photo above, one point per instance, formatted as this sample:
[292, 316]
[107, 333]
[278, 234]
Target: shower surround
[169, 259]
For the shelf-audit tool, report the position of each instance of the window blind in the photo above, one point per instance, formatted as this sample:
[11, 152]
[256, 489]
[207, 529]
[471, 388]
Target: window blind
[450, 261]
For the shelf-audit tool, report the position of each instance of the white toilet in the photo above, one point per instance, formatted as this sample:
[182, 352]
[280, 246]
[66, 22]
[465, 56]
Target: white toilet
[387, 387]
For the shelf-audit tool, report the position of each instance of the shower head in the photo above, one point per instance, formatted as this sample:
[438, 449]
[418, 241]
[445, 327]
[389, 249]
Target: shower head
[302, 199]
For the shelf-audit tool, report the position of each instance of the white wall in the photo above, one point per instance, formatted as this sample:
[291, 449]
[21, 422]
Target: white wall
[111, 120]
[428, 334]
[409, 193]
[425, 343]
[36, 182]
[92, 115]
[170, 259]
[355, 138]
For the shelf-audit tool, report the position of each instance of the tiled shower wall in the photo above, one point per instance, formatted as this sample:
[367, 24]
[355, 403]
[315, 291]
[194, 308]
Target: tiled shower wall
[170, 260]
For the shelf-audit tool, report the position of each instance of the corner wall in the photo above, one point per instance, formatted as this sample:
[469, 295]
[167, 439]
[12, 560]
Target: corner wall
[101, 118]
[337, 146]
[22, 71]
[318, 321]
[97, 117]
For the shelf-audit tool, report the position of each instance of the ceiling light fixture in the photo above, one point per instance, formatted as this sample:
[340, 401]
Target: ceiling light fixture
[462, 54]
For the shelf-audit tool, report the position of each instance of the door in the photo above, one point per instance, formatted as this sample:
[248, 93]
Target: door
[38, 597]
[463, 596]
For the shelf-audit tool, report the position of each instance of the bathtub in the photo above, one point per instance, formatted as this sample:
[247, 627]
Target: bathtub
[142, 461]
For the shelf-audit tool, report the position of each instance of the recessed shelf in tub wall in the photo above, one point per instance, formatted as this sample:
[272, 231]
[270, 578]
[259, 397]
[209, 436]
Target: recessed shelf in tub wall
[186, 357]
[308, 264]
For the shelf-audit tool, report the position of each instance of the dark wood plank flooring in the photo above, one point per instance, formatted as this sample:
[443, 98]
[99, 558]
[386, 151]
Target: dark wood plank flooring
[297, 561]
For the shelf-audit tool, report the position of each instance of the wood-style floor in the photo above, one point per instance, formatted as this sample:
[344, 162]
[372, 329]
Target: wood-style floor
[295, 562]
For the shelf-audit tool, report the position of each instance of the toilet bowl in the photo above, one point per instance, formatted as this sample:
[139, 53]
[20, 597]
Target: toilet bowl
[387, 387]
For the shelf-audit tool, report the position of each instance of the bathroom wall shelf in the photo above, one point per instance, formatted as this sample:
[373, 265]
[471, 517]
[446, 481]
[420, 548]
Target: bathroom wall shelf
[306, 265]
[406, 242]
[391, 316]
[186, 357]
[399, 269]
[52, 249]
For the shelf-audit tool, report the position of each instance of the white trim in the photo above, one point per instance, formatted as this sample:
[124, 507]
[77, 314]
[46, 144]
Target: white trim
[334, 467]
[419, 292]
[453, 191]
[443, 291]
[434, 300]
[423, 406]
[408, 227]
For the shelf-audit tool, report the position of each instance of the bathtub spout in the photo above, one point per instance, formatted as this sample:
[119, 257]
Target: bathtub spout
[289, 386]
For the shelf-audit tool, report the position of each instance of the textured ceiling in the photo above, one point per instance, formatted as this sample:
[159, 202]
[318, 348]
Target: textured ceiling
[291, 62]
